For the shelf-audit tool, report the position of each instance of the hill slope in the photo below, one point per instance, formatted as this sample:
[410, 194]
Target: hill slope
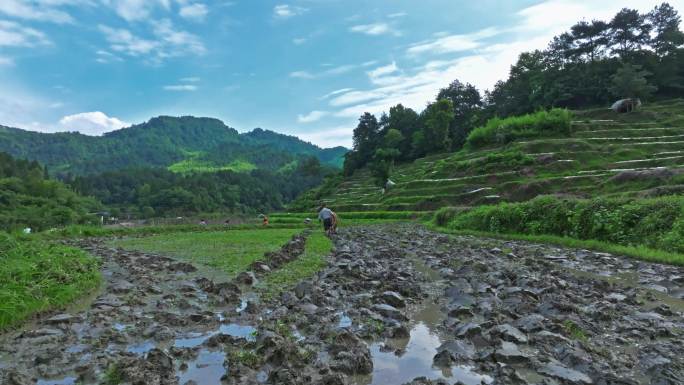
[28, 199]
[161, 142]
[605, 154]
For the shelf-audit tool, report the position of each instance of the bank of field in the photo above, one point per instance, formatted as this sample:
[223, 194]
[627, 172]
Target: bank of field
[318, 246]
[37, 276]
[231, 251]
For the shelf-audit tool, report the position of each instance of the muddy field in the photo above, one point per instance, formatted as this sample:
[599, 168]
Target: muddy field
[396, 304]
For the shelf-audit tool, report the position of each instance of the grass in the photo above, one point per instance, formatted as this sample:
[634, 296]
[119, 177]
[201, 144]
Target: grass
[38, 276]
[637, 252]
[308, 264]
[194, 164]
[230, 251]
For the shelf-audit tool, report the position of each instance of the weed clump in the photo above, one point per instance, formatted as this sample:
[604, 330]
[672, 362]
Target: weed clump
[499, 131]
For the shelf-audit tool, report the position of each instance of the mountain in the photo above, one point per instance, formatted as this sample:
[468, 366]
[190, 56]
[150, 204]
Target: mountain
[180, 143]
[333, 156]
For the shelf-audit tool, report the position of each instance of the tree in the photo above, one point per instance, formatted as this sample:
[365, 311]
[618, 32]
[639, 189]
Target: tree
[590, 38]
[407, 122]
[438, 117]
[630, 82]
[628, 31]
[665, 21]
[467, 103]
[366, 135]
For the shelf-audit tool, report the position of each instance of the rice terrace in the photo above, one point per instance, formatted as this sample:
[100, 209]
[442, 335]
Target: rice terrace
[454, 193]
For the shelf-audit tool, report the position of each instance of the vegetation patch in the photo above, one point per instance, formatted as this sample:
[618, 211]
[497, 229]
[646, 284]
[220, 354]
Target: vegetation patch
[38, 276]
[651, 229]
[230, 251]
[308, 264]
[497, 131]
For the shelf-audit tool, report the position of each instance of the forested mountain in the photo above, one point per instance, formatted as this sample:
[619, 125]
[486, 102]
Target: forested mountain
[29, 199]
[191, 142]
[333, 156]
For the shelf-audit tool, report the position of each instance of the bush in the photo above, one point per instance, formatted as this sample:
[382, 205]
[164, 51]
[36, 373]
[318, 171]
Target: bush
[656, 223]
[499, 131]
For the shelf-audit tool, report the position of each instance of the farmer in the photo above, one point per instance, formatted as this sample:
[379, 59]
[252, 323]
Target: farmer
[326, 215]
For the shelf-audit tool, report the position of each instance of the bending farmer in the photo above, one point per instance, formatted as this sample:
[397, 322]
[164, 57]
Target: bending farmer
[326, 215]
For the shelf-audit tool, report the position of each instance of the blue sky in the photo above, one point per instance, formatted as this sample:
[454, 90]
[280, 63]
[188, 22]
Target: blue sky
[302, 67]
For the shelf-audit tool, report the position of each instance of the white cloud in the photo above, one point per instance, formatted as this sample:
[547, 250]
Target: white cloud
[299, 40]
[396, 15]
[15, 35]
[6, 61]
[31, 11]
[181, 87]
[91, 123]
[383, 71]
[330, 137]
[191, 79]
[136, 10]
[374, 29]
[311, 117]
[332, 71]
[286, 11]
[168, 42]
[336, 92]
[301, 75]
[179, 42]
[122, 40]
[452, 43]
[102, 56]
[194, 12]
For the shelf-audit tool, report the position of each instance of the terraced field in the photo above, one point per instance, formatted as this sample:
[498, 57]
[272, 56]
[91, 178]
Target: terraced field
[638, 154]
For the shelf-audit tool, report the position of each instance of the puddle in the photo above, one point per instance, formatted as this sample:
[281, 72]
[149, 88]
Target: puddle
[196, 339]
[141, 348]
[119, 327]
[80, 348]
[345, 321]
[428, 272]
[207, 369]
[398, 361]
[245, 331]
[415, 360]
[63, 381]
[242, 306]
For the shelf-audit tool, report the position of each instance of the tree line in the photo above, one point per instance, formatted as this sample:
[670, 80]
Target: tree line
[156, 192]
[632, 55]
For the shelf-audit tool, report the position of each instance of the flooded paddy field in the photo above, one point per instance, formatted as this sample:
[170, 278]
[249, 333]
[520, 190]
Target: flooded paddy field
[396, 304]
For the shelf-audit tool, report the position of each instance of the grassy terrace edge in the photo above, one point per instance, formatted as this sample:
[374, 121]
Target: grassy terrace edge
[637, 252]
[317, 247]
[40, 276]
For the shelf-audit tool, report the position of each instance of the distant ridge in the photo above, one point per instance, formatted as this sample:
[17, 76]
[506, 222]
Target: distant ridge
[160, 142]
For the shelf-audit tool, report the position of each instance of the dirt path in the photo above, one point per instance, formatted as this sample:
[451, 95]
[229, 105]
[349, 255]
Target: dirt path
[395, 303]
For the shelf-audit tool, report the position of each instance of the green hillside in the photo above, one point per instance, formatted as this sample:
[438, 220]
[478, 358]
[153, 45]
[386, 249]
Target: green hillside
[162, 142]
[604, 154]
[29, 199]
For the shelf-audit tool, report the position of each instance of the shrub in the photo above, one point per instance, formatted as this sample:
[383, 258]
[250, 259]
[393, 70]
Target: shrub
[499, 131]
[656, 223]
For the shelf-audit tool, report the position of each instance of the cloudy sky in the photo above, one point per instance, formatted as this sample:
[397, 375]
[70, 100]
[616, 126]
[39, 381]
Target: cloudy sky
[302, 67]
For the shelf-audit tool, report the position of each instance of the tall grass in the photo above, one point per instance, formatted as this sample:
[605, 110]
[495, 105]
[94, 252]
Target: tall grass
[499, 131]
[37, 276]
[656, 223]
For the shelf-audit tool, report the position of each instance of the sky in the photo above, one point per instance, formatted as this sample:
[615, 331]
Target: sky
[302, 67]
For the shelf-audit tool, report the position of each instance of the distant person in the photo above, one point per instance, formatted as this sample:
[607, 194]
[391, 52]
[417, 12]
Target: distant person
[327, 216]
[265, 220]
[203, 222]
[227, 222]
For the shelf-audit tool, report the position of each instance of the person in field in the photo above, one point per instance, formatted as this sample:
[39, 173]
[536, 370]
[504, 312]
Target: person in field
[327, 216]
